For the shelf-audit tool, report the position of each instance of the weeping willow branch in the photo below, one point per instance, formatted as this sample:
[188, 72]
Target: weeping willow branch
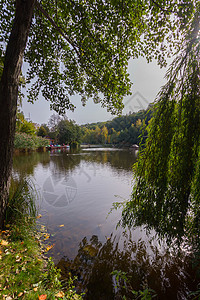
[164, 192]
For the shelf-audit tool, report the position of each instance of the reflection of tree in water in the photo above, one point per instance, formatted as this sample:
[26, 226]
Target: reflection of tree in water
[169, 274]
[119, 160]
[61, 163]
[165, 273]
[64, 161]
[25, 163]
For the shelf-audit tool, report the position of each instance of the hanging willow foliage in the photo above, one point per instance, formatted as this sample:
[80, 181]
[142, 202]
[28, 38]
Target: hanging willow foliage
[166, 194]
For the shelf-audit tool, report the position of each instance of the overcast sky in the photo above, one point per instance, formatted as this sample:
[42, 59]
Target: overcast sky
[147, 80]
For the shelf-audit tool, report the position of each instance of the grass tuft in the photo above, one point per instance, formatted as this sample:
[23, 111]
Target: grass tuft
[21, 205]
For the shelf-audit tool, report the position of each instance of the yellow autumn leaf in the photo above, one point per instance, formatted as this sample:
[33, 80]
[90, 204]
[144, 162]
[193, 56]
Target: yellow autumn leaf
[49, 247]
[60, 294]
[39, 216]
[4, 243]
[61, 225]
[46, 236]
[20, 294]
[35, 289]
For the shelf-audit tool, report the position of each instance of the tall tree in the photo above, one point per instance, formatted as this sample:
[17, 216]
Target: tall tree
[80, 47]
[9, 92]
[68, 132]
[43, 130]
[54, 121]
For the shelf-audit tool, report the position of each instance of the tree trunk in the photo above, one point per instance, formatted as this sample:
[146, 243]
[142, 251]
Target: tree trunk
[9, 93]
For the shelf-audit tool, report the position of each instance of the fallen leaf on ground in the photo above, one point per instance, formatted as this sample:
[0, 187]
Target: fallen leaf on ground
[36, 284]
[49, 247]
[60, 295]
[42, 297]
[4, 243]
[39, 216]
[46, 236]
[20, 294]
[18, 258]
[61, 225]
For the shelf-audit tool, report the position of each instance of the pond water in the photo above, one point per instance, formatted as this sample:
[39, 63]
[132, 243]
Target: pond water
[77, 190]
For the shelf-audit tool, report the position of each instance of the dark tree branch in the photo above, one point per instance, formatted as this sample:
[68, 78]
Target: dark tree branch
[164, 10]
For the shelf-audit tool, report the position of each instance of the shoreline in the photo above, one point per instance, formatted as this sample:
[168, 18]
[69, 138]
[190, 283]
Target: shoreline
[27, 272]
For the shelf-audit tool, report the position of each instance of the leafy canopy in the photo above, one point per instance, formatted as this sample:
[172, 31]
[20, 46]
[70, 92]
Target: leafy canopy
[83, 47]
[166, 194]
[68, 132]
[24, 126]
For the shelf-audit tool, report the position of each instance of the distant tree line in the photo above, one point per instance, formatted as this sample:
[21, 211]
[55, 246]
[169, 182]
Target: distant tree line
[124, 130]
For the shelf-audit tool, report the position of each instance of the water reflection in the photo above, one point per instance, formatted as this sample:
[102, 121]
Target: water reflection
[164, 271]
[24, 164]
[77, 191]
[60, 162]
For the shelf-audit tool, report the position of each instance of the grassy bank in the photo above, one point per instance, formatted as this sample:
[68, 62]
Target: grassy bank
[25, 271]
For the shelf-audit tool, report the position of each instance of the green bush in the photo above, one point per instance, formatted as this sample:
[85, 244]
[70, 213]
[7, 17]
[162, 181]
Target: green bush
[26, 141]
